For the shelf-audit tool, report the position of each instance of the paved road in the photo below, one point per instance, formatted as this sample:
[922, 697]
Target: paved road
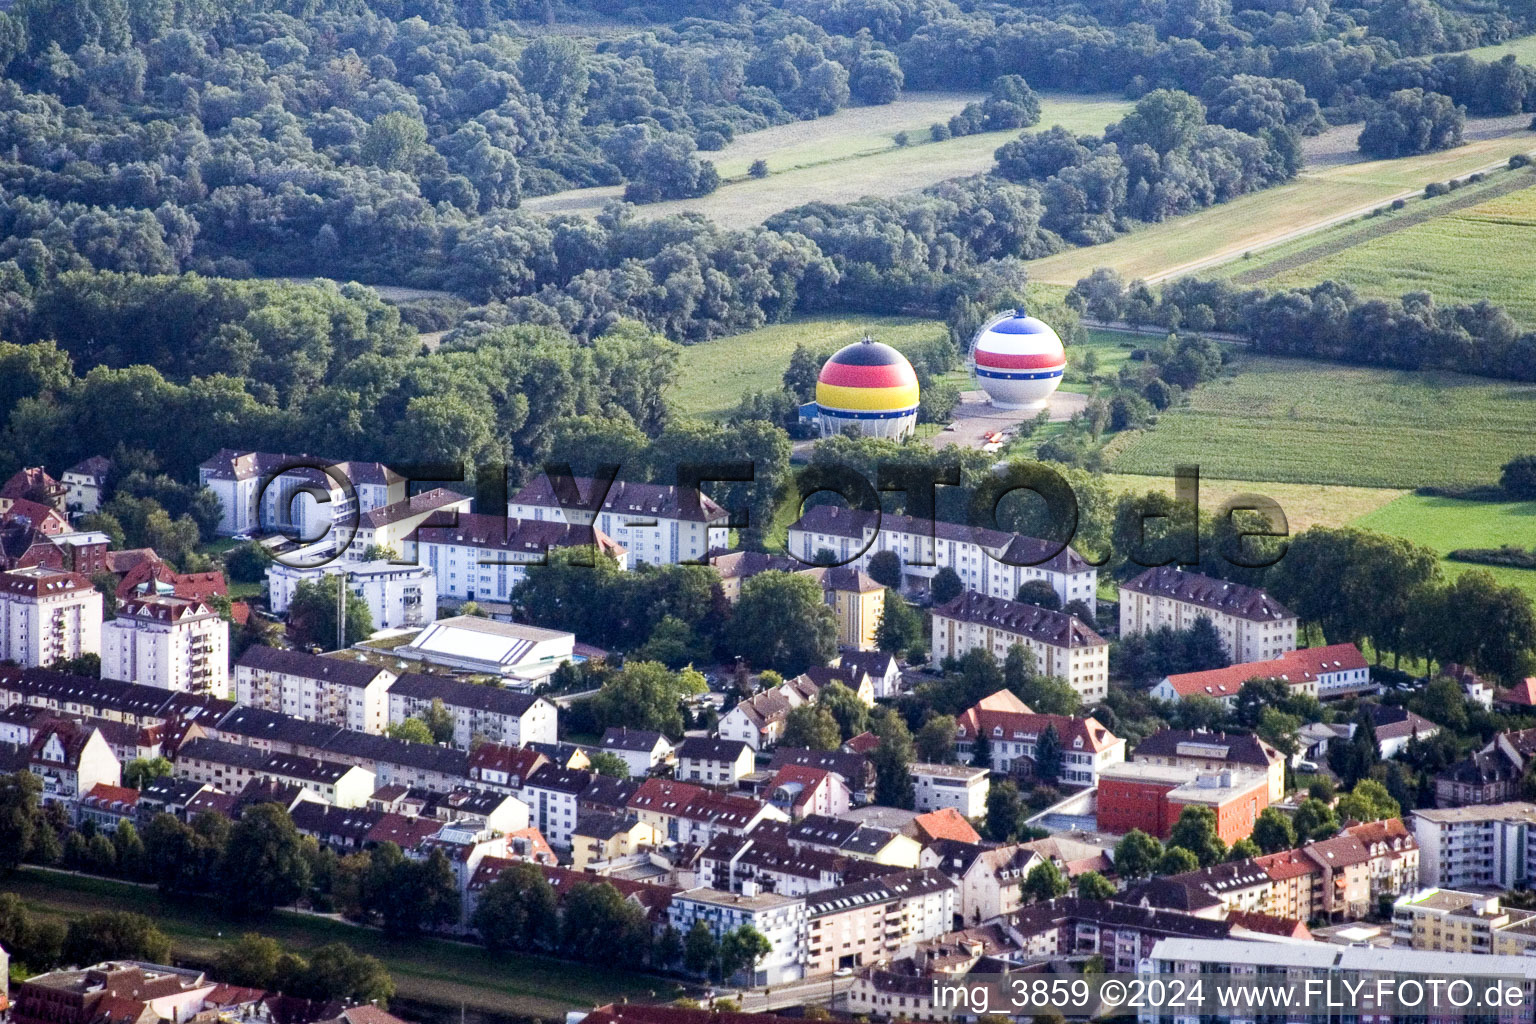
[975, 418]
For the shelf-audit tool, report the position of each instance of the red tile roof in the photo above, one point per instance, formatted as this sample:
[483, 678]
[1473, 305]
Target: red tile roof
[945, 823]
[1294, 667]
[1286, 864]
[1002, 710]
[1523, 692]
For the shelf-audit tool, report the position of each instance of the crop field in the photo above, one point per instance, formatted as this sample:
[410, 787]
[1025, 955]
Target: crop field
[443, 975]
[715, 374]
[1336, 187]
[847, 155]
[1307, 422]
[1479, 251]
[1304, 504]
[1445, 524]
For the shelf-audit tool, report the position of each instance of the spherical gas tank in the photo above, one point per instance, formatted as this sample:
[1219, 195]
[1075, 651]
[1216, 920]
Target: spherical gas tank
[1019, 361]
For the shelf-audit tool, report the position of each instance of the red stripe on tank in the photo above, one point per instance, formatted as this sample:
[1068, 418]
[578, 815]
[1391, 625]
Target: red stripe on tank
[1031, 361]
[845, 376]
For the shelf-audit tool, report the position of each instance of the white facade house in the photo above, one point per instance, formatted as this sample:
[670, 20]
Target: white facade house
[398, 596]
[485, 713]
[337, 691]
[86, 480]
[989, 561]
[936, 786]
[1487, 846]
[1253, 626]
[47, 614]
[1063, 645]
[520, 654]
[264, 492]
[175, 643]
[481, 557]
[640, 749]
[553, 795]
[655, 523]
[779, 919]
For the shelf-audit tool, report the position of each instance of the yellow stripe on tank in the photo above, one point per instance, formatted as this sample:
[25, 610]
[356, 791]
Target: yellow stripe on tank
[867, 399]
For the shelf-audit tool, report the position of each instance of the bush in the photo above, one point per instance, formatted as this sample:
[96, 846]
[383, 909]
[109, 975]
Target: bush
[759, 169]
[940, 132]
[1435, 188]
[900, 138]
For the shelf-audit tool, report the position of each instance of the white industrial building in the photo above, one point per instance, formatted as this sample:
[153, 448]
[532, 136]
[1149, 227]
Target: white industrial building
[518, 653]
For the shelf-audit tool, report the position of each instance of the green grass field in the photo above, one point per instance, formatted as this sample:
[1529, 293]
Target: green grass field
[715, 374]
[426, 971]
[1476, 252]
[1524, 49]
[1339, 187]
[1308, 422]
[1445, 524]
[1110, 348]
[847, 155]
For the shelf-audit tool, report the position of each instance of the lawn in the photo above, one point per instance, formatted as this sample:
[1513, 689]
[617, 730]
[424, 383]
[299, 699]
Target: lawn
[1336, 186]
[846, 156]
[1524, 49]
[426, 971]
[1477, 252]
[1308, 422]
[715, 374]
[1445, 524]
[1110, 349]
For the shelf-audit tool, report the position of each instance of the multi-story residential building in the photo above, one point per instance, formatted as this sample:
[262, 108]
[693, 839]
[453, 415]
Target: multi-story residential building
[990, 878]
[765, 859]
[1011, 730]
[990, 561]
[71, 759]
[779, 919]
[1344, 878]
[1151, 797]
[1062, 644]
[264, 492]
[553, 794]
[1214, 751]
[1394, 856]
[713, 762]
[655, 523]
[960, 786]
[855, 839]
[47, 614]
[32, 483]
[856, 600]
[503, 767]
[86, 481]
[334, 691]
[1475, 847]
[108, 806]
[1295, 889]
[482, 557]
[1121, 933]
[1348, 968]
[336, 782]
[641, 750]
[1450, 921]
[390, 527]
[480, 712]
[758, 721]
[1488, 776]
[175, 643]
[876, 920]
[398, 596]
[1327, 673]
[1253, 626]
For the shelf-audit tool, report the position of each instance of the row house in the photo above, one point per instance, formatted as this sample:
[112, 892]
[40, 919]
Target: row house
[1253, 626]
[130, 703]
[1122, 933]
[686, 813]
[70, 760]
[851, 838]
[657, 524]
[482, 557]
[1063, 645]
[485, 712]
[341, 692]
[107, 806]
[988, 561]
[487, 809]
[502, 767]
[1010, 731]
